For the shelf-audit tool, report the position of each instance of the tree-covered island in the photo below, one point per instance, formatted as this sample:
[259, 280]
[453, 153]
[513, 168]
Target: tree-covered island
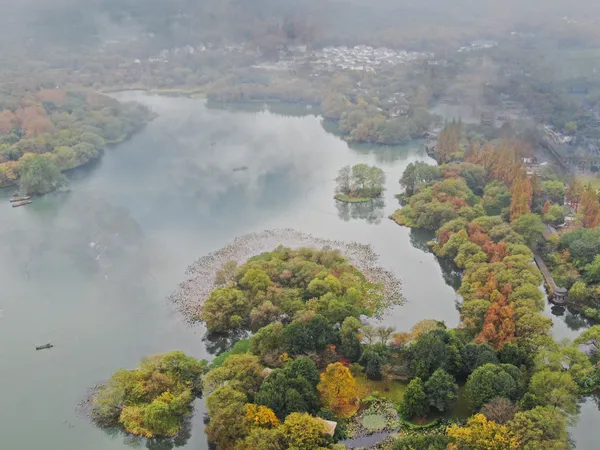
[359, 183]
[50, 131]
[153, 400]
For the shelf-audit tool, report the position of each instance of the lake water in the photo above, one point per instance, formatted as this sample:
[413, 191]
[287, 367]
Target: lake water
[90, 270]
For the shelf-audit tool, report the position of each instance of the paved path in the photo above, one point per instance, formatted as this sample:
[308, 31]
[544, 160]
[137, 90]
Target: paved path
[546, 272]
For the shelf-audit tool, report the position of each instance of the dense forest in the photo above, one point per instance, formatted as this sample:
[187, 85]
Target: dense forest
[313, 373]
[47, 132]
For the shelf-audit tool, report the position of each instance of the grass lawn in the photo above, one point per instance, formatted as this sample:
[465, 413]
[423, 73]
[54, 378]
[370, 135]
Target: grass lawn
[368, 387]
[588, 179]
[345, 198]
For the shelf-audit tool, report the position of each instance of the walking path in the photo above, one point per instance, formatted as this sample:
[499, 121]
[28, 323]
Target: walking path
[548, 277]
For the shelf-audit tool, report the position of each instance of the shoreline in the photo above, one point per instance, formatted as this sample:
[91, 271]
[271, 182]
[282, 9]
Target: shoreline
[191, 294]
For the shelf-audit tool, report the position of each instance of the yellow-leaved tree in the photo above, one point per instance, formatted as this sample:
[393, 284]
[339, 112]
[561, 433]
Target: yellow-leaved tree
[482, 434]
[261, 416]
[338, 390]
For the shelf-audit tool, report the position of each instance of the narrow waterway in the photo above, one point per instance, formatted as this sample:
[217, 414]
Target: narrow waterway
[89, 270]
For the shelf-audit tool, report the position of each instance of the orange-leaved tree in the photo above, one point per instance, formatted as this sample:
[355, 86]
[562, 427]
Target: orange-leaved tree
[499, 323]
[338, 390]
[522, 194]
[574, 192]
[590, 207]
[546, 207]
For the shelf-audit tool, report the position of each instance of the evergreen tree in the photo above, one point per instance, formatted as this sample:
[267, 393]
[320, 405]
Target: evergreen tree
[414, 404]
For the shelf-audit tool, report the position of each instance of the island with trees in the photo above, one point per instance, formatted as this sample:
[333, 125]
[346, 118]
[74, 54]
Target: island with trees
[359, 183]
[50, 131]
[314, 374]
[153, 400]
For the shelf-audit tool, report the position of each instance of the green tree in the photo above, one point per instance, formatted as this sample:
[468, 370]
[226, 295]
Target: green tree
[592, 271]
[244, 370]
[285, 392]
[591, 338]
[441, 390]
[415, 402]
[583, 245]
[349, 341]
[556, 389]
[152, 400]
[428, 442]
[367, 181]
[266, 342]
[39, 175]
[531, 227]
[225, 397]
[490, 381]
[496, 198]
[227, 425]
[255, 281]
[305, 368]
[434, 350]
[262, 439]
[554, 190]
[578, 292]
[475, 355]
[541, 428]
[304, 432]
[226, 309]
[373, 358]
[555, 215]
[515, 355]
[417, 174]
[303, 337]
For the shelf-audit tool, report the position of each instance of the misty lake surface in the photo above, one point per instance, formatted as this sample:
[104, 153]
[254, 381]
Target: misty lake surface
[90, 270]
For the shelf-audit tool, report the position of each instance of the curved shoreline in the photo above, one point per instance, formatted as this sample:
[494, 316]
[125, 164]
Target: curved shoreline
[192, 293]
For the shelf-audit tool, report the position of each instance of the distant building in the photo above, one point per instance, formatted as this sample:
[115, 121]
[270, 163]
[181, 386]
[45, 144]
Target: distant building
[487, 118]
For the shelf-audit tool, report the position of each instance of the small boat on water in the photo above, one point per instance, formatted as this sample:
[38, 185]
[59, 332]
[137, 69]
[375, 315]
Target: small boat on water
[19, 199]
[237, 169]
[23, 203]
[43, 347]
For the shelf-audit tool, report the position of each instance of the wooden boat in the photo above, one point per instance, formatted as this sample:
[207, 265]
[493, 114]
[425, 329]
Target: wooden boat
[43, 347]
[23, 203]
[19, 199]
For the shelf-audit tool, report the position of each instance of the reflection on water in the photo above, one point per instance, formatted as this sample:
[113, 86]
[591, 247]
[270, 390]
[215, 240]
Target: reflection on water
[218, 343]
[388, 154]
[366, 441]
[132, 441]
[450, 271]
[372, 211]
[567, 323]
[419, 239]
[283, 109]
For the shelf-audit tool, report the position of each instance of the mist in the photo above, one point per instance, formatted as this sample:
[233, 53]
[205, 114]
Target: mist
[140, 138]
